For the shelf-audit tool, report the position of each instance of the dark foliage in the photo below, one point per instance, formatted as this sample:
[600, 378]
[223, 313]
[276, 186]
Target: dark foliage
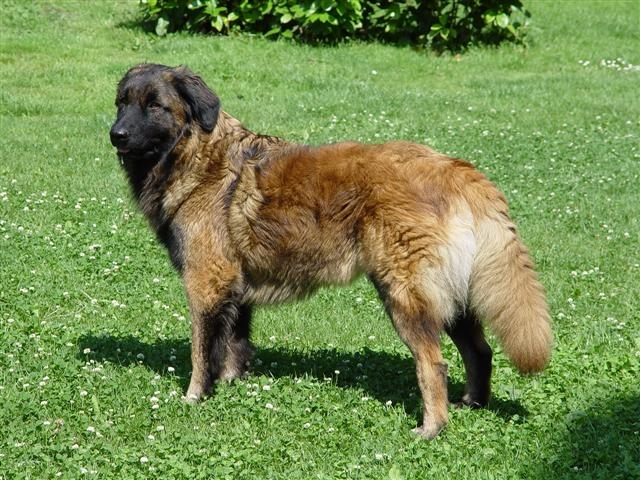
[440, 24]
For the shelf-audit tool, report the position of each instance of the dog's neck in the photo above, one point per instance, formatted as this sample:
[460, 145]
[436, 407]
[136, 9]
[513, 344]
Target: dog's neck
[242, 146]
[219, 155]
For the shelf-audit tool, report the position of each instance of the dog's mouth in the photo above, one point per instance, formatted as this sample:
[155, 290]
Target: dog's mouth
[134, 154]
[125, 149]
[152, 147]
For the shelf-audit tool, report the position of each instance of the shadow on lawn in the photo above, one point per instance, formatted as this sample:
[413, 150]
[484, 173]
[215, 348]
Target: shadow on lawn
[601, 442]
[383, 375]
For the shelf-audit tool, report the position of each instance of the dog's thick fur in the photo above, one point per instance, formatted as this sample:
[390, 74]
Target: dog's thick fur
[251, 219]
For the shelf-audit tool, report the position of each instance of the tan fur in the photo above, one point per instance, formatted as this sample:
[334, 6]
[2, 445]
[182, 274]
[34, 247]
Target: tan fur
[261, 220]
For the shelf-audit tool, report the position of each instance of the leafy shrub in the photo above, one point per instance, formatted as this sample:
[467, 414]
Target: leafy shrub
[442, 24]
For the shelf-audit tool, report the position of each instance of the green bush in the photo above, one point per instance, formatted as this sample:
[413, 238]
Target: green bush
[442, 24]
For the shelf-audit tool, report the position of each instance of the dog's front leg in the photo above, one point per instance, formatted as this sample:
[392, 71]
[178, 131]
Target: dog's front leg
[214, 311]
[201, 345]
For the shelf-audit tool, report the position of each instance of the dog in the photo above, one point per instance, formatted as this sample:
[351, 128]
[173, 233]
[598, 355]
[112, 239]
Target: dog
[251, 219]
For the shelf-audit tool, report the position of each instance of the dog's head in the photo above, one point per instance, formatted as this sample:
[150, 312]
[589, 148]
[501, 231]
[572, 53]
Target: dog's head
[157, 106]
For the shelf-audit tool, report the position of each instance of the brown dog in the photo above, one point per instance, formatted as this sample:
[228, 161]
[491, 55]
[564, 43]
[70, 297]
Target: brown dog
[250, 219]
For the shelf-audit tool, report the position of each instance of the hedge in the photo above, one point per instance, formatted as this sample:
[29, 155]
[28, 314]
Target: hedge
[441, 24]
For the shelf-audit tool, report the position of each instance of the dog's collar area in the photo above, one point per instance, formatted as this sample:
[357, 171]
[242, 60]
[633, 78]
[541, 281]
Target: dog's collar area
[179, 138]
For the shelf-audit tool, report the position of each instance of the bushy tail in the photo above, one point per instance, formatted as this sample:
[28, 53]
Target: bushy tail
[506, 295]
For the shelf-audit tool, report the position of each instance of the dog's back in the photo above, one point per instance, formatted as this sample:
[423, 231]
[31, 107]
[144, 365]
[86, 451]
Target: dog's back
[404, 215]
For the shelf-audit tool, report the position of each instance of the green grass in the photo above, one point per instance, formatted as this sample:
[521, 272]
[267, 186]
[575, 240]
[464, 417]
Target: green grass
[94, 349]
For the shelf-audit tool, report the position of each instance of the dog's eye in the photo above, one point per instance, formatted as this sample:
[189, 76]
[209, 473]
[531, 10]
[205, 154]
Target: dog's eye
[155, 106]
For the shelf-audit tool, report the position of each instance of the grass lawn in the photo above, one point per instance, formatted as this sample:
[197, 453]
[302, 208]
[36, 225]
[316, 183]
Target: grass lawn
[94, 342]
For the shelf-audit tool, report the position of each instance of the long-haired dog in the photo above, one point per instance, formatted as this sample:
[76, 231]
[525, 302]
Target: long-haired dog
[251, 219]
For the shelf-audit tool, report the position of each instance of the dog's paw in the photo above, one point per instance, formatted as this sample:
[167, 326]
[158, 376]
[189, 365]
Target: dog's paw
[468, 401]
[428, 432]
[196, 392]
[229, 374]
[191, 398]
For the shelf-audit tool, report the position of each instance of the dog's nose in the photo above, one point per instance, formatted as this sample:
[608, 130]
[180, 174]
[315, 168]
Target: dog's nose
[118, 135]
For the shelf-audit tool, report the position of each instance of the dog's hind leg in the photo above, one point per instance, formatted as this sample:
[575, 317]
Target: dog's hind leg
[418, 325]
[468, 336]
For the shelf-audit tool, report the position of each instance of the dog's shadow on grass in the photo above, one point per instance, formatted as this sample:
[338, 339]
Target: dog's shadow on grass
[385, 376]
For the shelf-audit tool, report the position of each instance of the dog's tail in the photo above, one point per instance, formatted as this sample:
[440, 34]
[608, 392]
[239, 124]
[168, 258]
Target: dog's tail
[505, 293]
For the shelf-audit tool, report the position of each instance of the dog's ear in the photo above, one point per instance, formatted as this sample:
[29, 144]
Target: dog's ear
[204, 105]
